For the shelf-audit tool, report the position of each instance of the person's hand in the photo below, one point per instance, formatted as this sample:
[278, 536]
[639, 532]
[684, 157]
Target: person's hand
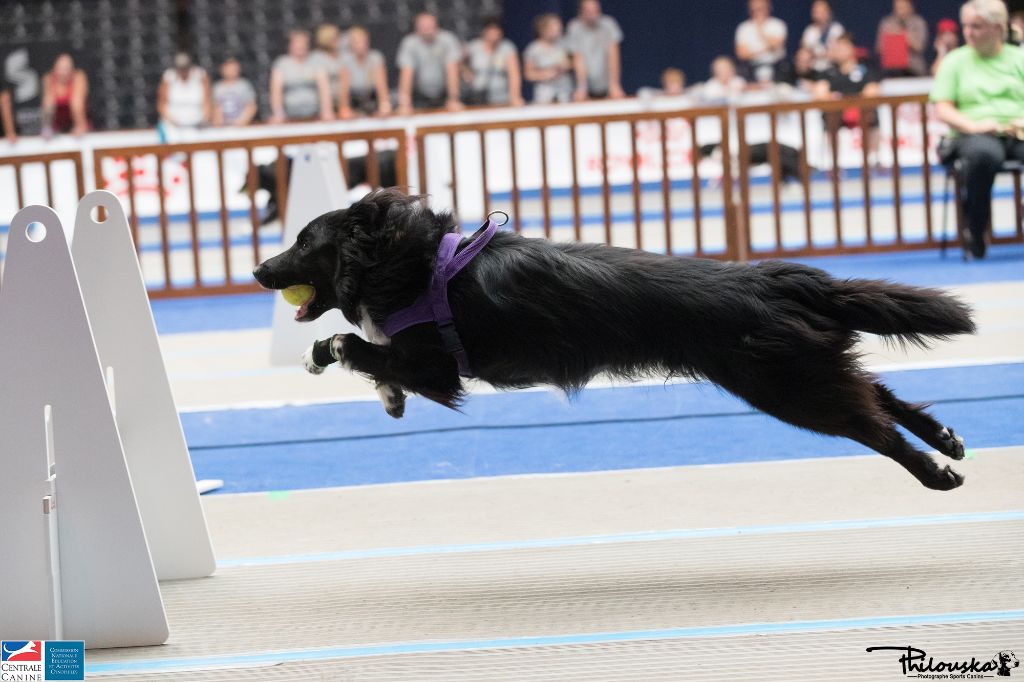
[327, 115]
[346, 113]
[616, 92]
[46, 133]
[579, 95]
[986, 128]
[276, 118]
[384, 109]
[454, 105]
[516, 101]
[404, 109]
[79, 130]
[11, 136]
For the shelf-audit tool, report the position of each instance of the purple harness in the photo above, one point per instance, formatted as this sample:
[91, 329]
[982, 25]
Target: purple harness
[432, 305]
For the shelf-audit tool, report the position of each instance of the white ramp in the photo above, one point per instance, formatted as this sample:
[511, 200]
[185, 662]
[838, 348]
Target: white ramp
[154, 444]
[82, 570]
[316, 187]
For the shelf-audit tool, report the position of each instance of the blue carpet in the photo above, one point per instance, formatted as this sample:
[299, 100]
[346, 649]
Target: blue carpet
[923, 268]
[531, 432]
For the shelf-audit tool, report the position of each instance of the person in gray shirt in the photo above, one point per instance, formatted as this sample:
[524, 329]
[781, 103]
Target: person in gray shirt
[234, 99]
[328, 53]
[298, 87]
[363, 81]
[428, 63]
[593, 38]
[491, 69]
[547, 62]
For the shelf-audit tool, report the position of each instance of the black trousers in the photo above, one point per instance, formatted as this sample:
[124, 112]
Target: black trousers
[980, 158]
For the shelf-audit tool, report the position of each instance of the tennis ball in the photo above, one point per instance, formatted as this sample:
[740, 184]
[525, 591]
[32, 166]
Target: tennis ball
[299, 294]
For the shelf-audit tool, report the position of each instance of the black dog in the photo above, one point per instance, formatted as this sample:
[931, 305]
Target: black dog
[778, 335]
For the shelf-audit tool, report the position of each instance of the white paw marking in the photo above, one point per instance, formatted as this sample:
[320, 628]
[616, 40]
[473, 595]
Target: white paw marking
[307, 362]
[338, 351]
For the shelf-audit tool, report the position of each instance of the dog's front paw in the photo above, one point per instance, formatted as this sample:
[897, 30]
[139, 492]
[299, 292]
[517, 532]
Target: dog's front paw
[392, 397]
[307, 362]
[338, 350]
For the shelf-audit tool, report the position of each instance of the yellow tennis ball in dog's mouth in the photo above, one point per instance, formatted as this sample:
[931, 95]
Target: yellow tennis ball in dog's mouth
[298, 294]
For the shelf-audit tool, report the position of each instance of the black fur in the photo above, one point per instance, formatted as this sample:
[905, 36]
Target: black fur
[778, 335]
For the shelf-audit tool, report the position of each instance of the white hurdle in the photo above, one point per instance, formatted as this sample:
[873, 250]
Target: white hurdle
[317, 186]
[84, 489]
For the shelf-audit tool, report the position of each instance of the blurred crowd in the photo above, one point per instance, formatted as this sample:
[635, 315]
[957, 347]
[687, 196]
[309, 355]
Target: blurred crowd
[330, 73]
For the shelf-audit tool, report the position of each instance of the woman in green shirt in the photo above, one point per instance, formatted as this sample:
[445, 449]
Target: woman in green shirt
[979, 93]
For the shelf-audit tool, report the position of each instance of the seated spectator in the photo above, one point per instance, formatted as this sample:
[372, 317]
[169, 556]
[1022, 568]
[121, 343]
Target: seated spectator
[947, 39]
[327, 55]
[849, 77]
[804, 74]
[761, 42]
[547, 62]
[428, 67]
[299, 90]
[65, 90]
[363, 78]
[7, 111]
[820, 34]
[978, 91]
[491, 69]
[901, 41]
[673, 84]
[234, 99]
[1016, 36]
[183, 100]
[593, 39]
[725, 86]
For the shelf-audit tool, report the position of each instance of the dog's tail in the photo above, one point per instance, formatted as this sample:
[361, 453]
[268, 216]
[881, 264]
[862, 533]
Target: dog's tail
[910, 314]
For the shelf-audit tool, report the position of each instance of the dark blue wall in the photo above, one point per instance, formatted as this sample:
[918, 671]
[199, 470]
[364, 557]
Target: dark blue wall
[686, 34]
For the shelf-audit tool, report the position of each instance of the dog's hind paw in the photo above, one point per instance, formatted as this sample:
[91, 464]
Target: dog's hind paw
[392, 397]
[952, 444]
[945, 479]
[307, 362]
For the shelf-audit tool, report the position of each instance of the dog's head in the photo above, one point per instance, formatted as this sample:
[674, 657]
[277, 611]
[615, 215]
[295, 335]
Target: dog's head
[335, 251]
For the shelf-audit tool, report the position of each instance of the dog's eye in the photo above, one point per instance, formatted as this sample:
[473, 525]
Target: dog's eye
[303, 244]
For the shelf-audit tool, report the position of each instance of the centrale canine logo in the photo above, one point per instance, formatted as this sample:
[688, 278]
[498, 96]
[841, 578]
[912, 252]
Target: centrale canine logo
[19, 651]
[918, 664]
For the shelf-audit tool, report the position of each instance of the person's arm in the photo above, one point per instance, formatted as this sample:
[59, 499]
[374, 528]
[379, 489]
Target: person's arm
[161, 101]
[248, 114]
[580, 69]
[917, 34]
[743, 51]
[534, 73]
[615, 72]
[452, 76]
[344, 93]
[7, 116]
[871, 90]
[218, 114]
[207, 99]
[80, 124]
[323, 88]
[772, 40]
[380, 81]
[822, 89]
[405, 75]
[515, 80]
[276, 97]
[951, 116]
[47, 107]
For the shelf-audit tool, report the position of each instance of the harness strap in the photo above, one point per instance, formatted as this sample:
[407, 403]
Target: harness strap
[432, 305]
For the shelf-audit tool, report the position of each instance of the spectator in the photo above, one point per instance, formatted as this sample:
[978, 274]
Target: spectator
[492, 68]
[979, 92]
[363, 78]
[428, 63]
[547, 62]
[327, 55]
[849, 77]
[7, 112]
[820, 34]
[299, 90]
[901, 42]
[234, 99]
[947, 39]
[673, 84]
[65, 90]
[183, 100]
[1017, 28]
[593, 38]
[761, 42]
[725, 85]
[804, 75]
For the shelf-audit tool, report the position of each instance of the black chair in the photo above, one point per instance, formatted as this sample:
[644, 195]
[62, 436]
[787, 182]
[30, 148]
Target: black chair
[953, 174]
